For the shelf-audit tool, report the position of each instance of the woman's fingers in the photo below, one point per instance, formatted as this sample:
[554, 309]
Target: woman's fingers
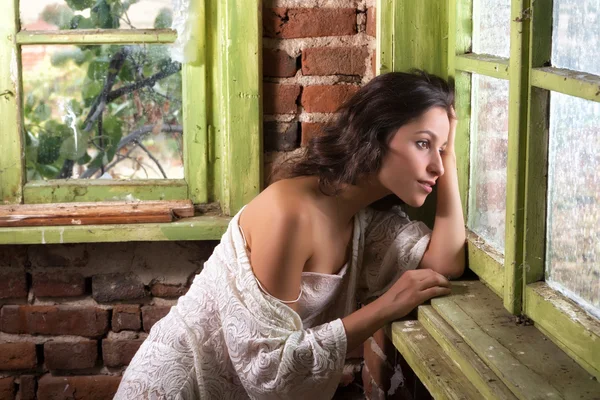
[434, 280]
[435, 291]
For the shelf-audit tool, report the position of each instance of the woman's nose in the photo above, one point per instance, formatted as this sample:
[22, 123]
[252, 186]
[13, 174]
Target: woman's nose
[436, 166]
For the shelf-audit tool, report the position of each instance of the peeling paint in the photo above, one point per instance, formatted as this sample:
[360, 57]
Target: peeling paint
[396, 381]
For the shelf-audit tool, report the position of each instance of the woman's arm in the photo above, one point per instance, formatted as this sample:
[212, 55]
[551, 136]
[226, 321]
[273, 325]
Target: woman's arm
[445, 253]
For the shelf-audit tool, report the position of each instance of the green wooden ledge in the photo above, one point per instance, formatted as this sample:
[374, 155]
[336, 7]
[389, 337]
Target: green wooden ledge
[573, 83]
[496, 67]
[97, 36]
[574, 331]
[194, 228]
[486, 262]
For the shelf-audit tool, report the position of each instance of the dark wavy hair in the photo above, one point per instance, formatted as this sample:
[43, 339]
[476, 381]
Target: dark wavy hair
[354, 144]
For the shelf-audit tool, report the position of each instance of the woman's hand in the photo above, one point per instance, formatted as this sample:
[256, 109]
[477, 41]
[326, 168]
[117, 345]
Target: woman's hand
[412, 289]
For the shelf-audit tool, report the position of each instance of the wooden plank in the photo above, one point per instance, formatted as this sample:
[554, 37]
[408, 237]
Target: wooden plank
[486, 262]
[195, 228]
[243, 148]
[429, 362]
[573, 83]
[97, 36]
[385, 36]
[516, 158]
[527, 362]
[12, 167]
[79, 190]
[420, 36]
[195, 123]
[571, 328]
[496, 67]
[476, 371]
[94, 213]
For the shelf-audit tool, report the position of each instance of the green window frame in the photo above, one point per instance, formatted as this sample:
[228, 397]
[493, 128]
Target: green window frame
[442, 45]
[222, 116]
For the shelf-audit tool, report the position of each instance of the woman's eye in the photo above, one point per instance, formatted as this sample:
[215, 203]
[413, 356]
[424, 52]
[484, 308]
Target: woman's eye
[423, 144]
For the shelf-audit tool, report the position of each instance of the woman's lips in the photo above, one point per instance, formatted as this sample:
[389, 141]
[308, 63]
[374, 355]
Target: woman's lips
[425, 186]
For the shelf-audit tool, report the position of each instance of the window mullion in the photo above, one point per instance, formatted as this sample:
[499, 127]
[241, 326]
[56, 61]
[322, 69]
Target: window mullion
[97, 36]
[516, 162]
[11, 139]
[534, 234]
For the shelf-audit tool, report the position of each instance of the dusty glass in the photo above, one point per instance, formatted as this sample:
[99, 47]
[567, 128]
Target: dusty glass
[573, 231]
[93, 14]
[491, 27]
[576, 35]
[103, 111]
[489, 150]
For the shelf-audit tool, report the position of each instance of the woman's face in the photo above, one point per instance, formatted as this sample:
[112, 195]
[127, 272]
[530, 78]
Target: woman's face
[413, 163]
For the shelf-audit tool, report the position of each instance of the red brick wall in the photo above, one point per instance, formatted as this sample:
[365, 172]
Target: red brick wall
[314, 59]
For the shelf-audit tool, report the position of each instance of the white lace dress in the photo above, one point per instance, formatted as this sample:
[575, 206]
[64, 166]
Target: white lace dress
[227, 339]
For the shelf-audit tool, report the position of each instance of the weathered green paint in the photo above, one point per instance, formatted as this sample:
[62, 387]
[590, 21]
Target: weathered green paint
[427, 359]
[571, 328]
[537, 148]
[420, 36]
[486, 263]
[459, 42]
[11, 161]
[195, 123]
[496, 67]
[243, 148]
[97, 36]
[462, 85]
[67, 191]
[516, 159]
[385, 36]
[476, 371]
[531, 366]
[195, 228]
[573, 83]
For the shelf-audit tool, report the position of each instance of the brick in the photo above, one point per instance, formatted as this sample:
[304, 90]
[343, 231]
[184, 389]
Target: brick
[371, 22]
[13, 256]
[70, 355]
[326, 98]
[15, 356]
[334, 61]
[288, 23]
[152, 314]
[310, 130]
[7, 388]
[163, 290]
[117, 353]
[27, 387]
[97, 387]
[280, 136]
[117, 287]
[278, 63]
[280, 99]
[126, 317]
[58, 285]
[13, 284]
[54, 320]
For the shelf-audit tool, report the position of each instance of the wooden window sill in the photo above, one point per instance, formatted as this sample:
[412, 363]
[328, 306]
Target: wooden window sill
[500, 355]
[191, 228]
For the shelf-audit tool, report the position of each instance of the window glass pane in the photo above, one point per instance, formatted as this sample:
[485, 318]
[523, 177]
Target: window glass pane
[92, 14]
[573, 237]
[491, 27]
[102, 111]
[576, 35]
[489, 149]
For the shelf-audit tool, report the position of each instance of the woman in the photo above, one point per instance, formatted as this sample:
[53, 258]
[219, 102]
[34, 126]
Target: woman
[273, 313]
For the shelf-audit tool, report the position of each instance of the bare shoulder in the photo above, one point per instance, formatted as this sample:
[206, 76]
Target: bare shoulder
[277, 228]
